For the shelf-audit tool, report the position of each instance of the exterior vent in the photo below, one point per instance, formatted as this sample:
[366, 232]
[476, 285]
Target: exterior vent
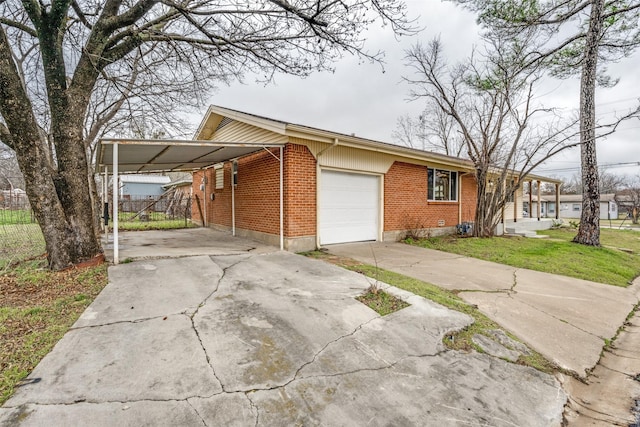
[441, 223]
[224, 122]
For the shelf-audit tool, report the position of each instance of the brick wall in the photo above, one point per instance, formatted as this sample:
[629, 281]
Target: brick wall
[300, 191]
[469, 197]
[257, 195]
[406, 205]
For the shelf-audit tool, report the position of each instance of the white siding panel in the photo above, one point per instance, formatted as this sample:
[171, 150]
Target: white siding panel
[349, 158]
[242, 132]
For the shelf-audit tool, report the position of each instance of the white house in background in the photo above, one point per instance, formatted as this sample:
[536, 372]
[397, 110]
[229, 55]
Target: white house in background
[571, 206]
[136, 186]
[547, 206]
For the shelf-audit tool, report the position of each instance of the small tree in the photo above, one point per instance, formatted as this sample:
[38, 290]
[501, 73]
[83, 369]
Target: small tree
[629, 197]
[491, 103]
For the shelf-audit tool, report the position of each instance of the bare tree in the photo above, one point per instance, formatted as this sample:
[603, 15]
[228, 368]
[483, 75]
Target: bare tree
[575, 37]
[10, 175]
[491, 102]
[64, 63]
[433, 130]
[629, 198]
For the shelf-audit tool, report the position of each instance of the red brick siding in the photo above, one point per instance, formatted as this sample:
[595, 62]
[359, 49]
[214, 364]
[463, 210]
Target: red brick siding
[300, 191]
[406, 205]
[257, 196]
[469, 197]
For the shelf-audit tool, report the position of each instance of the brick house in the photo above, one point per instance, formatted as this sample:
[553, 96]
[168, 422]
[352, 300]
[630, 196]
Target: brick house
[336, 188]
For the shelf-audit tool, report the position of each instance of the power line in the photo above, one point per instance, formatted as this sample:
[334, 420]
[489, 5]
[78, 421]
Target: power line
[604, 165]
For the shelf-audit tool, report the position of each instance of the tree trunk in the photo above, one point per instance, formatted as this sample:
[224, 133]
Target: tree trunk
[589, 230]
[59, 196]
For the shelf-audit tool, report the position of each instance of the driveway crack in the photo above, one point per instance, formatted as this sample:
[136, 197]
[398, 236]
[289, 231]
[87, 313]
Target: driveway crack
[204, 423]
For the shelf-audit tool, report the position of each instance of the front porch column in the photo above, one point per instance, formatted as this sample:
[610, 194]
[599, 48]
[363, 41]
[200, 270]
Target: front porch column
[557, 201]
[530, 199]
[539, 201]
[515, 203]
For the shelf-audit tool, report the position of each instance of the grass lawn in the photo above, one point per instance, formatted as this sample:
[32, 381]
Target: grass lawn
[19, 242]
[165, 224]
[22, 216]
[37, 307]
[556, 254]
[618, 223]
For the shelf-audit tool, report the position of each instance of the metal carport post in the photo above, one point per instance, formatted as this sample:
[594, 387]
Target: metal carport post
[177, 155]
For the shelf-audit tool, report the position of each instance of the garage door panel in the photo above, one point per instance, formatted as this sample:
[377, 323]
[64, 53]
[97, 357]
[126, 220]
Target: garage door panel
[349, 207]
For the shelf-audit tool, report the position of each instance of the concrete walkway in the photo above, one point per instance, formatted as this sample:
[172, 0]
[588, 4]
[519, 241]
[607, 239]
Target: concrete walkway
[268, 339]
[567, 320]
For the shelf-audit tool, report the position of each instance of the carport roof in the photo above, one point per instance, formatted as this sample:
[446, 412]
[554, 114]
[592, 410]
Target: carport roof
[158, 155]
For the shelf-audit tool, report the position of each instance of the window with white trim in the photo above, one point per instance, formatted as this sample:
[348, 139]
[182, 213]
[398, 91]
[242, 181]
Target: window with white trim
[442, 185]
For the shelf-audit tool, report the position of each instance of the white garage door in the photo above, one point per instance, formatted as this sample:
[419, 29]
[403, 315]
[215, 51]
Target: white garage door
[349, 207]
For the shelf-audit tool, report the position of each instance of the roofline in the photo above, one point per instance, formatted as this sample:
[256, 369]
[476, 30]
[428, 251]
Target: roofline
[321, 135]
[185, 142]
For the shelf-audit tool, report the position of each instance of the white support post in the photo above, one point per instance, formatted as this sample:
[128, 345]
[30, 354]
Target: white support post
[233, 204]
[115, 204]
[281, 204]
[105, 199]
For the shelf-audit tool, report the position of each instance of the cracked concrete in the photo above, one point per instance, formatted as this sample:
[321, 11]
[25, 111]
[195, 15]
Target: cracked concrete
[268, 339]
[565, 319]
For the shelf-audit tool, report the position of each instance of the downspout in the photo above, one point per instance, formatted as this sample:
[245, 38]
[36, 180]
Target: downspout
[320, 153]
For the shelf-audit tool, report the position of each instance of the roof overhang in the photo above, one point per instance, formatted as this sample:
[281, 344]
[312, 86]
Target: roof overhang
[158, 155]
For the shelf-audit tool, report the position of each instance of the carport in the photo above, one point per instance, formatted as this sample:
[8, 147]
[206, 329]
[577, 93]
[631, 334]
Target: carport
[118, 156]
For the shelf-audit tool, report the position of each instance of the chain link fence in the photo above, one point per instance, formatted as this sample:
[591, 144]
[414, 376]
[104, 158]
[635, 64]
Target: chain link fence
[20, 235]
[21, 238]
[169, 210]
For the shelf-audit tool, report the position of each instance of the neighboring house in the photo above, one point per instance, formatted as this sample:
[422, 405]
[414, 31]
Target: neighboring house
[547, 206]
[571, 206]
[337, 188]
[137, 186]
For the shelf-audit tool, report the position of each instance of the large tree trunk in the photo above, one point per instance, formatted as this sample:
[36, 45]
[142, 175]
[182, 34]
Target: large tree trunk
[589, 231]
[59, 196]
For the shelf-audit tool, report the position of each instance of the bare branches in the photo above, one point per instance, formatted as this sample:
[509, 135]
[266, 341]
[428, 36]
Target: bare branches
[491, 106]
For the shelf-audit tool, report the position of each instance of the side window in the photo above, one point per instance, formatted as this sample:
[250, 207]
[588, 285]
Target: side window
[442, 185]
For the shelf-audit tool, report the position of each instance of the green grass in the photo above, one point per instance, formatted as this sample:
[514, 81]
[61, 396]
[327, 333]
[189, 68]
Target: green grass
[460, 340]
[381, 302]
[618, 223]
[166, 224]
[19, 242]
[48, 304]
[556, 255]
[23, 216]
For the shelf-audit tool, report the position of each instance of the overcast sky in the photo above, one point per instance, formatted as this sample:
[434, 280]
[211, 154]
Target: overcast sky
[361, 99]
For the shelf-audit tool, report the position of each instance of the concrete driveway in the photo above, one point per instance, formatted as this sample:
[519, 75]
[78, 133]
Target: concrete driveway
[567, 320]
[268, 339]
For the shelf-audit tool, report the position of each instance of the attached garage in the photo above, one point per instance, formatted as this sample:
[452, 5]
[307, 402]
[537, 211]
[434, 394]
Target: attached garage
[349, 207]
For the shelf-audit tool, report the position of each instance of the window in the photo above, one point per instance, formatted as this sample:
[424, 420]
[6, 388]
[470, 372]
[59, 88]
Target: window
[552, 208]
[442, 185]
[576, 207]
[219, 178]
